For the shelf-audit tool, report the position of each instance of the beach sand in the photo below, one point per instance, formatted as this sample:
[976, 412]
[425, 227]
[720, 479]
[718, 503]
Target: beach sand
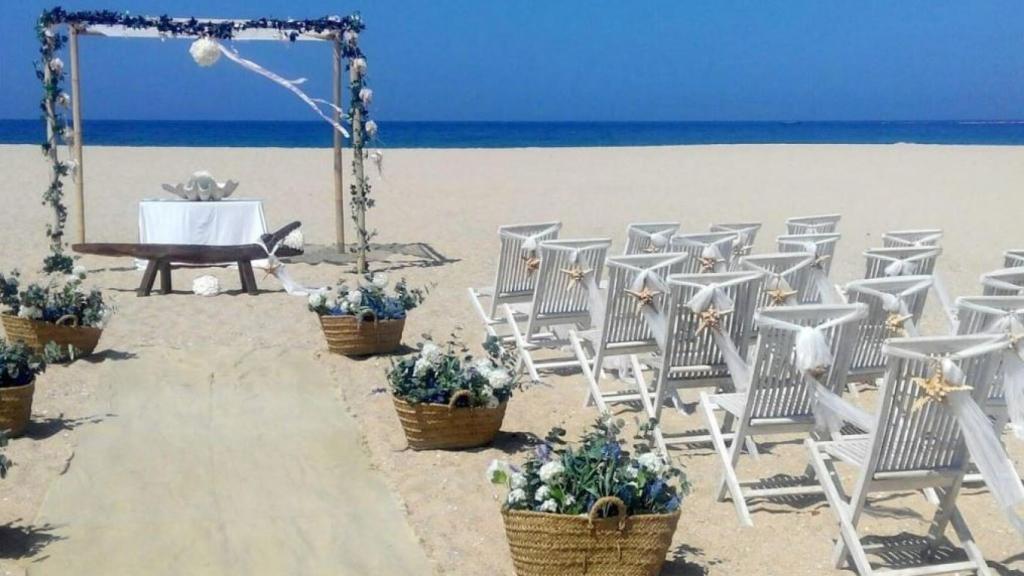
[454, 200]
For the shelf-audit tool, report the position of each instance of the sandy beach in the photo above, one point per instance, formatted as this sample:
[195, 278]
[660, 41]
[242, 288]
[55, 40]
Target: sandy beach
[433, 511]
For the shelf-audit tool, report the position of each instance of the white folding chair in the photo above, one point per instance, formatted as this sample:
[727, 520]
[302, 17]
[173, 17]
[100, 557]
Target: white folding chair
[747, 234]
[1013, 259]
[649, 237]
[516, 275]
[709, 251]
[911, 261]
[787, 277]
[894, 306]
[1004, 282]
[911, 238]
[566, 296]
[709, 325]
[823, 247]
[820, 224]
[996, 315]
[779, 398]
[917, 441]
[634, 322]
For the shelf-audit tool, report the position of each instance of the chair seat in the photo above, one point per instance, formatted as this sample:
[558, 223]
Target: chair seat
[853, 451]
[731, 403]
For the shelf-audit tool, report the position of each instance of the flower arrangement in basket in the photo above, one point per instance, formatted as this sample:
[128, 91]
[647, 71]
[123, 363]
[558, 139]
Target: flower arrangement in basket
[59, 317]
[446, 399]
[592, 509]
[367, 319]
[18, 369]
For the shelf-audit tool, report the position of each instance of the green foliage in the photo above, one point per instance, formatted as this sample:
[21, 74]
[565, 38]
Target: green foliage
[61, 296]
[436, 373]
[54, 353]
[570, 479]
[18, 365]
[369, 301]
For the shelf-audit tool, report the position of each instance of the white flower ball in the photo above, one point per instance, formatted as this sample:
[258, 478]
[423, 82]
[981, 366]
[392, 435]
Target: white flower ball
[57, 65]
[359, 65]
[551, 472]
[206, 286]
[516, 496]
[355, 297]
[549, 506]
[366, 96]
[542, 494]
[371, 128]
[294, 240]
[205, 51]
[380, 280]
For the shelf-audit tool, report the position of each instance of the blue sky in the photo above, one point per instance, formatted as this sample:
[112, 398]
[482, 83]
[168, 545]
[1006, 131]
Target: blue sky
[561, 60]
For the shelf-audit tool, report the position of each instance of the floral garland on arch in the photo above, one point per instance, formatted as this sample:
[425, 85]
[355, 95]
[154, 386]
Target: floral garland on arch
[50, 71]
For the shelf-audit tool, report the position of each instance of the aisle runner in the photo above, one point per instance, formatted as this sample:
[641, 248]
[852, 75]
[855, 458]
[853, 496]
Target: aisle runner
[233, 463]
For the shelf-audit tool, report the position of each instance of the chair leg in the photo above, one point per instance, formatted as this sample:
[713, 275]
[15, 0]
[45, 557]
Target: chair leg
[165, 277]
[521, 344]
[947, 506]
[474, 297]
[593, 390]
[148, 278]
[848, 543]
[730, 480]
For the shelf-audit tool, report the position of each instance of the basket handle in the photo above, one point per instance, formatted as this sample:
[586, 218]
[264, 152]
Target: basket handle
[458, 395]
[63, 320]
[608, 501]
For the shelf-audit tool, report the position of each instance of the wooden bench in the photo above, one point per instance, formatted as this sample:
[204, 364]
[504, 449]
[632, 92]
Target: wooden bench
[161, 257]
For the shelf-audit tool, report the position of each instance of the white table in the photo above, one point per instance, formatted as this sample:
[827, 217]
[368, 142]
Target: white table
[221, 223]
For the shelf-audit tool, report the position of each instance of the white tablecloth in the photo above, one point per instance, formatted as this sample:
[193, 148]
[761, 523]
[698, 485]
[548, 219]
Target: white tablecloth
[222, 223]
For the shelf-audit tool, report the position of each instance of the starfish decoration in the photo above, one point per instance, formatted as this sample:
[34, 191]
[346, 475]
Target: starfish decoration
[819, 261]
[894, 323]
[273, 265]
[711, 319]
[1014, 339]
[643, 297]
[778, 296]
[576, 275]
[935, 388]
[707, 263]
[532, 264]
[651, 248]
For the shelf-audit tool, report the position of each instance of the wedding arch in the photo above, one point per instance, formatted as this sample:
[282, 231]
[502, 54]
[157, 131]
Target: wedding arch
[57, 28]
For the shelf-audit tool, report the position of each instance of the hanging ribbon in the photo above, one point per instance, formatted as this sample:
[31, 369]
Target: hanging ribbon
[530, 243]
[813, 358]
[640, 288]
[289, 84]
[1008, 322]
[658, 240]
[782, 292]
[900, 317]
[982, 442]
[713, 298]
[276, 268]
[595, 296]
[712, 258]
[826, 291]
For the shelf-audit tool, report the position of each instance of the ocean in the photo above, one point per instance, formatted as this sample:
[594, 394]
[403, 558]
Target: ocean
[526, 134]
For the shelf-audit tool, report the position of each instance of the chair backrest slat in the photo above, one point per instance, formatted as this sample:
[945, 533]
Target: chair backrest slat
[747, 234]
[875, 330]
[694, 245]
[911, 238]
[638, 237]
[778, 389]
[556, 300]
[819, 224]
[624, 322]
[978, 315]
[792, 267]
[1004, 282]
[824, 245]
[919, 260]
[514, 277]
[1013, 258]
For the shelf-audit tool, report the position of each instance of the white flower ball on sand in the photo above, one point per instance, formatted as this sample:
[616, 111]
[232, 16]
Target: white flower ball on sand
[206, 286]
[205, 51]
[551, 472]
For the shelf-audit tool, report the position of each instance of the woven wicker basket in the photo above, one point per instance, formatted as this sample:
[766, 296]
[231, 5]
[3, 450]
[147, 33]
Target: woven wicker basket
[16, 408]
[448, 427]
[353, 337]
[561, 545]
[35, 333]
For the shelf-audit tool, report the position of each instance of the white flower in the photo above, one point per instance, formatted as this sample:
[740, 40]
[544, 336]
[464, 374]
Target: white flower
[30, 312]
[366, 96]
[548, 506]
[205, 51]
[57, 65]
[421, 367]
[499, 378]
[569, 500]
[380, 280]
[355, 297]
[630, 473]
[63, 99]
[483, 367]
[542, 494]
[359, 65]
[342, 307]
[294, 240]
[206, 286]
[350, 37]
[317, 299]
[430, 352]
[517, 481]
[331, 303]
[79, 271]
[651, 462]
[551, 472]
[371, 128]
[498, 472]
[516, 496]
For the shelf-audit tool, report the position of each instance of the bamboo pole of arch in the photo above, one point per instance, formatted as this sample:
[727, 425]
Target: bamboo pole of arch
[76, 126]
[339, 165]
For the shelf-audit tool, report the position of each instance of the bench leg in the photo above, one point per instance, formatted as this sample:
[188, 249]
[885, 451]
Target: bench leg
[247, 276]
[148, 277]
[165, 277]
